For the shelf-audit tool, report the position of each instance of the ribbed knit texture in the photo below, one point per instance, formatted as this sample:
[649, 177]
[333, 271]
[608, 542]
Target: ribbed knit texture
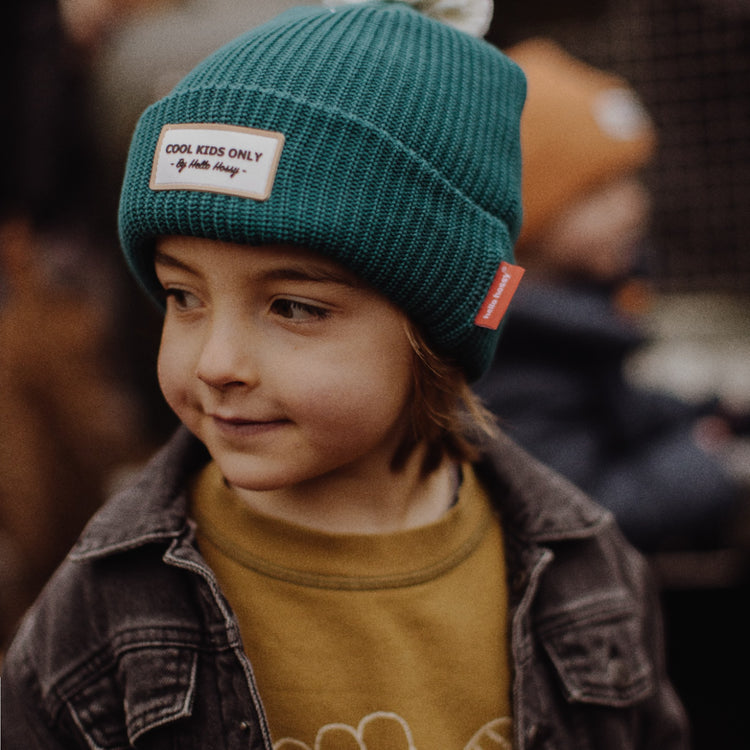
[401, 159]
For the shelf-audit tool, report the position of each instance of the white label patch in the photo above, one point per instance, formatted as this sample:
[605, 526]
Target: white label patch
[217, 159]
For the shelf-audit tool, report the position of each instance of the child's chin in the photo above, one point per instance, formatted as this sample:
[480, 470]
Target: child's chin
[259, 480]
[255, 482]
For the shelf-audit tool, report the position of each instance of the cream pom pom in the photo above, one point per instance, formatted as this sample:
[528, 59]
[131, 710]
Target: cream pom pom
[470, 16]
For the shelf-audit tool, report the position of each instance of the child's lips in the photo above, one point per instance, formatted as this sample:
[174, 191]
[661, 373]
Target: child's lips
[237, 425]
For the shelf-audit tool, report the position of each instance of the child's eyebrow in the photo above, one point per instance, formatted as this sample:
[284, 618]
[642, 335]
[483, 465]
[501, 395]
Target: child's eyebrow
[309, 273]
[164, 259]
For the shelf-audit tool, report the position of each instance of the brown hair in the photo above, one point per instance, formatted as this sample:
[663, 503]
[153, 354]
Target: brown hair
[446, 415]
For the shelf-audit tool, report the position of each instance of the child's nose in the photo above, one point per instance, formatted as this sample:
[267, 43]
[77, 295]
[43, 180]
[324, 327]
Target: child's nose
[226, 357]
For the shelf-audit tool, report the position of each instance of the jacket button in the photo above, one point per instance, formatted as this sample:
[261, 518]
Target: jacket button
[245, 726]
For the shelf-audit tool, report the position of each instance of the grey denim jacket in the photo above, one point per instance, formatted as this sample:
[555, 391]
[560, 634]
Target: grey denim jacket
[132, 644]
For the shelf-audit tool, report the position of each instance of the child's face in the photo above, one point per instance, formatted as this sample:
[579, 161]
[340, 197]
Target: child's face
[283, 363]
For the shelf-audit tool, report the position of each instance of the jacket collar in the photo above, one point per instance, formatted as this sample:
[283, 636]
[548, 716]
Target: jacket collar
[151, 509]
[536, 503]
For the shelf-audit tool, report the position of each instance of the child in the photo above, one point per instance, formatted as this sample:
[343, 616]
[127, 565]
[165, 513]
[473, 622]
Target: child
[560, 382]
[339, 552]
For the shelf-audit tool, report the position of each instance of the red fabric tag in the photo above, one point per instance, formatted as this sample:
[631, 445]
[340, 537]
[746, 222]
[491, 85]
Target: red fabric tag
[501, 292]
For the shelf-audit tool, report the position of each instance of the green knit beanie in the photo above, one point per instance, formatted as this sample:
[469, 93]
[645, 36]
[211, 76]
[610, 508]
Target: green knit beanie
[379, 137]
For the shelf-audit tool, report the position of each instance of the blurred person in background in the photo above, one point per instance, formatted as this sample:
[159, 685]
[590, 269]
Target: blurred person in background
[69, 420]
[558, 384]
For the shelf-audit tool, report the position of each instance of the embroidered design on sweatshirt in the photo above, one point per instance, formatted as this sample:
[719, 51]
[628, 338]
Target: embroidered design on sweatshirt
[385, 730]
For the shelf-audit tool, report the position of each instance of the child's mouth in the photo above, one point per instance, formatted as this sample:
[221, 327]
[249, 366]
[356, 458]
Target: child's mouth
[238, 426]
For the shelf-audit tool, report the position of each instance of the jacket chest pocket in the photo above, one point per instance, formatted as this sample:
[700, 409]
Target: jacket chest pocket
[144, 689]
[599, 654]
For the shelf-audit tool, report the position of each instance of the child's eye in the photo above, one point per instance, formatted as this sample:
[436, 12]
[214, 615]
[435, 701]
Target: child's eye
[181, 299]
[299, 311]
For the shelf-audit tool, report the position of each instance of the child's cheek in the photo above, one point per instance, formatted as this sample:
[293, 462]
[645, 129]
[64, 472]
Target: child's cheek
[172, 370]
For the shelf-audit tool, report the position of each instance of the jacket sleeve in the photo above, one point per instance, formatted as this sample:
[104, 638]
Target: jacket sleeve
[24, 724]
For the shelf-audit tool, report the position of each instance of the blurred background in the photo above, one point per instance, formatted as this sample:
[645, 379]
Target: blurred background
[79, 403]
[689, 61]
